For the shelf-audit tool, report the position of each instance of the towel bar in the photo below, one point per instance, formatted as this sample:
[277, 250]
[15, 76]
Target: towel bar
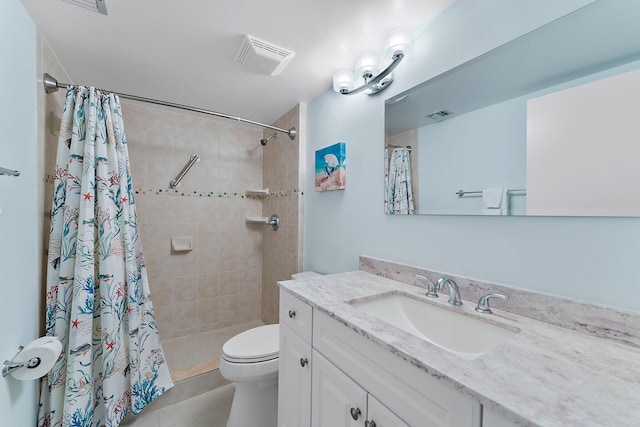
[461, 193]
[5, 171]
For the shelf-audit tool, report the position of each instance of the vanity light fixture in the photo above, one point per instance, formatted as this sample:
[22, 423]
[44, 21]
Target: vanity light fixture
[368, 73]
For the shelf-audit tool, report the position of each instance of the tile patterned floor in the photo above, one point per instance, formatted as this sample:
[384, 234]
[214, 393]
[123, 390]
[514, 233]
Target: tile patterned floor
[210, 409]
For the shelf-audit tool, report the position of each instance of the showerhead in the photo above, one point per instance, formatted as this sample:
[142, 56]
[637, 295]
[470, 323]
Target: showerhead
[264, 141]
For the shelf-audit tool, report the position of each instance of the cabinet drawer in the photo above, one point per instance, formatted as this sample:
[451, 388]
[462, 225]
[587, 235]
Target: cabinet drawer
[296, 314]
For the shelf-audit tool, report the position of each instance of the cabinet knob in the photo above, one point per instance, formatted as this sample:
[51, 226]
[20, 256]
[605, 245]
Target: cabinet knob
[370, 423]
[292, 314]
[304, 361]
[355, 413]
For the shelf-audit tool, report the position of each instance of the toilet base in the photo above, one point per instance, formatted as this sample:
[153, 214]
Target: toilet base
[255, 404]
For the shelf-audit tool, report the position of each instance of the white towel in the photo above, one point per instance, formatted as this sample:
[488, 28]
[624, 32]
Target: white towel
[495, 201]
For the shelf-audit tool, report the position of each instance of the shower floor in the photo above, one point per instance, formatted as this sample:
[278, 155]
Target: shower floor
[196, 354]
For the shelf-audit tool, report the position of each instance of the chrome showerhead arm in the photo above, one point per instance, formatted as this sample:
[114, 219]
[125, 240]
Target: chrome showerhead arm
[264, 141]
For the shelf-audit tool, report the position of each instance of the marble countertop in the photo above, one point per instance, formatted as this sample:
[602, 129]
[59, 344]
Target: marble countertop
[545, 375]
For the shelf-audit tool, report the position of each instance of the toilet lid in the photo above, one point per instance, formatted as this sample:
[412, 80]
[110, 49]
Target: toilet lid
[255, 345]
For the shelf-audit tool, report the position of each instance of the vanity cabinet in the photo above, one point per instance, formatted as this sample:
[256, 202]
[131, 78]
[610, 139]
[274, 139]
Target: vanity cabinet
[349, 381]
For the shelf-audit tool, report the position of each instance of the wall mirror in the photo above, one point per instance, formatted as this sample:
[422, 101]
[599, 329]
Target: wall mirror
[543, 125]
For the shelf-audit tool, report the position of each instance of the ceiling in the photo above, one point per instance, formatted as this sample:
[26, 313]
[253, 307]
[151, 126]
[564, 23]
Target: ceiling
[184, 51]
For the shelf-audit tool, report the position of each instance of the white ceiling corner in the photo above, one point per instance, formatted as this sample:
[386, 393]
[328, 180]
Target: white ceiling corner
[184, 52]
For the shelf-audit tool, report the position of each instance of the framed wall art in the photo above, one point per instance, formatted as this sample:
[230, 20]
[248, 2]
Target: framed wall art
[331, 173]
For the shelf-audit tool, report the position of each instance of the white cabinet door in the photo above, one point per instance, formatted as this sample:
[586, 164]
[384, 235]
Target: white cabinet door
[294, 380]
[493, 419]
[337, 400]
[379, 415]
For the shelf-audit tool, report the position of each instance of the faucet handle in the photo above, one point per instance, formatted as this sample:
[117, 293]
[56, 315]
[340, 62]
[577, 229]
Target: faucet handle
[432, 292]
[483, 302]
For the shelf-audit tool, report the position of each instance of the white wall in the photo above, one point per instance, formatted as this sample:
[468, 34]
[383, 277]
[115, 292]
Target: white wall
[593, 259]
[19, 287]
[583, 151]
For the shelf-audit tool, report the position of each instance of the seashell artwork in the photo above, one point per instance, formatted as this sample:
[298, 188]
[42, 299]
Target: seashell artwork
[331, 173]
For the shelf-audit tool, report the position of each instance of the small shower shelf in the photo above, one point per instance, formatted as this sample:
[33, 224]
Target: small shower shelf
[257, 220]
[257, 192]
[182, 244]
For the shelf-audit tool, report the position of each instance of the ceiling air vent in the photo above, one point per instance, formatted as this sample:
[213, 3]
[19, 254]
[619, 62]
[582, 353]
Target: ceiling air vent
[263, 57]
[94, 5]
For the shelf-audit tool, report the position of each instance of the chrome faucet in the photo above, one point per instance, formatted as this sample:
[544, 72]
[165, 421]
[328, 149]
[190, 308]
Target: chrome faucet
[454, 292]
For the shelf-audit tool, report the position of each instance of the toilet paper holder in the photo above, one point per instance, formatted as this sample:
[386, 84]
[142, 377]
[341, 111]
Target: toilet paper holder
[9, 365]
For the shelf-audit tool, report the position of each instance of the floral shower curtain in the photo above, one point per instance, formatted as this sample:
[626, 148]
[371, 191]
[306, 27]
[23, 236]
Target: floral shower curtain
[97, 300]
[398, 194]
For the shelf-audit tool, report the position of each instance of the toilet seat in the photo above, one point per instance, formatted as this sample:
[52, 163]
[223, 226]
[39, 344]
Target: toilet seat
[259, 344]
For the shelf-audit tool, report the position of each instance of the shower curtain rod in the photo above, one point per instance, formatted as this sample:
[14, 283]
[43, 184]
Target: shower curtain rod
[51, 84]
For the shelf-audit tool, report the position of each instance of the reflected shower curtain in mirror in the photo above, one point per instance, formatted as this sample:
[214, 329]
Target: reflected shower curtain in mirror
[398, 193]
[97, 300]
[386, 180]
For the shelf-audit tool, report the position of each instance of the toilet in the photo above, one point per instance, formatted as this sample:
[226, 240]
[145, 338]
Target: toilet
[250, 360]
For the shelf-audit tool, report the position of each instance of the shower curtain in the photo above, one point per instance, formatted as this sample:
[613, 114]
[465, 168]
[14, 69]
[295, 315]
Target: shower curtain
[398, 193]
[97, 300]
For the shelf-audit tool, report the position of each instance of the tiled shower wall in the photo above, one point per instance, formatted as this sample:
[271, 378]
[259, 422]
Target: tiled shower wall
[230, 276]
[283, 174]
[217, 284]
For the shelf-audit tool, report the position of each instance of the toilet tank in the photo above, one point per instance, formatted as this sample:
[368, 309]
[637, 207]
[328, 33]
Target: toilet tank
[305, 275]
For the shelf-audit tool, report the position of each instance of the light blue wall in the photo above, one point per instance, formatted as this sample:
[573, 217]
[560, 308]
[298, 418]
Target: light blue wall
[592, 259]
[481, 149]
[19, 300]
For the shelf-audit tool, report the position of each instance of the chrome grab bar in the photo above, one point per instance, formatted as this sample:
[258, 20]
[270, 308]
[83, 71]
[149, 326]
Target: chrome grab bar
[175, 183]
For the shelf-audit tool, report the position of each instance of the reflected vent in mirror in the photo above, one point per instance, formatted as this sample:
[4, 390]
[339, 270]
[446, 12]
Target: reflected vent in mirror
[439, 115]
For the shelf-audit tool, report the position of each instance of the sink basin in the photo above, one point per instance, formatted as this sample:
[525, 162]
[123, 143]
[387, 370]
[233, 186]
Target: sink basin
[460, 333]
